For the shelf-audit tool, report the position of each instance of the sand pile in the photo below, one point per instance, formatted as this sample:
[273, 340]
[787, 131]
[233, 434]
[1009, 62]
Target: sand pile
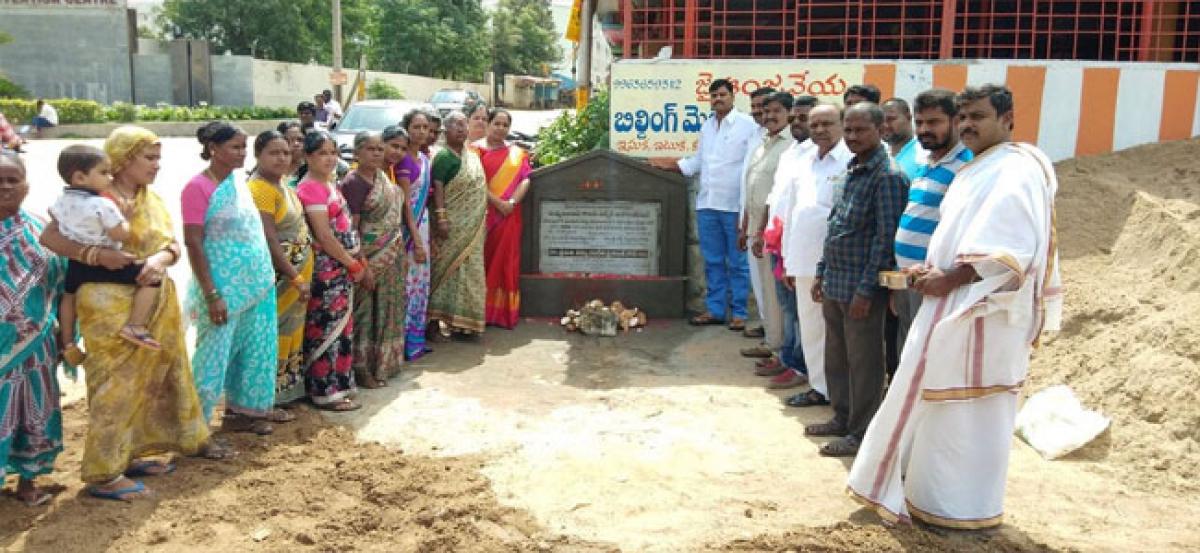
[310, 487]
[1129, 226]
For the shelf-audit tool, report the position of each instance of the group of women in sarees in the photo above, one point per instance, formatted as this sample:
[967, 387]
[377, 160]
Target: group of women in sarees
[304, 286]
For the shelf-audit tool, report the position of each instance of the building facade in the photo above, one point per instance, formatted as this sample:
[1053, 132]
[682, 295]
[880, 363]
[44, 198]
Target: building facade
[1103, 30]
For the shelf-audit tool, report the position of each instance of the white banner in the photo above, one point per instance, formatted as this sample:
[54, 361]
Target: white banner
[659, 106]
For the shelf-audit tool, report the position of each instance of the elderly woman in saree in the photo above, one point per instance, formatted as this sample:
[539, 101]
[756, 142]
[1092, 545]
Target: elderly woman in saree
[30, 419]
[141, 403]
[290, 246]
[412, 174]
[329, 328]
[378, 210]
[232, 296]
[458, 287]
[507, 169]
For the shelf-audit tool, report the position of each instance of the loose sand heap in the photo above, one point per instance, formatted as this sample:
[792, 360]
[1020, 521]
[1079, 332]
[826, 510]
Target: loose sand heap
[1129, 230]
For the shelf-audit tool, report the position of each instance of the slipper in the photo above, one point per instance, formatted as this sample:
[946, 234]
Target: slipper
[705, 320]
[830, 428]
[241, 423]
[280, 416]
[139, 337]
[146, 468]
[811, 398]
[117, 495]
[845, 447]
[42, 498]
[217, 451]
[737, 325]
[754, 332]
[339, 406]
[760, 352]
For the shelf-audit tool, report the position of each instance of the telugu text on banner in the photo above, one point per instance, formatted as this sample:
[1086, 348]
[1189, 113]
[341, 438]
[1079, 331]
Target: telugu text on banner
[659, 106]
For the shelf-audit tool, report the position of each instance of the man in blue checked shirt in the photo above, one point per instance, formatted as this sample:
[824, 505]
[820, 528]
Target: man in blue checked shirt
[869, 199]
[937, 129]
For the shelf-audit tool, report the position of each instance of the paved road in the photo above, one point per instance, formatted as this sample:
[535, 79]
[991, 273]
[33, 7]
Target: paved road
[181, 160]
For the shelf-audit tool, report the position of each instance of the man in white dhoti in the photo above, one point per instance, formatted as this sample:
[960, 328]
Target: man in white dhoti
[939, 445]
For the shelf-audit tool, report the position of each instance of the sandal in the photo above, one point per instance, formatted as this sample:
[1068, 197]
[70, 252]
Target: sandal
[831, 428]
[139, 336]
[705, 320]
[339, 406]
[216, 451]
[737, 325]
[845, 447]
[811, 398]
[149, 468]
[117, 495]
[234, 422]
[280, 415]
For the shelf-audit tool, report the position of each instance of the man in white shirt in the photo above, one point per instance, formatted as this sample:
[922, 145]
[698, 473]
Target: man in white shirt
[804, 237]
[724, 139]
[332, 106]
[47, 117]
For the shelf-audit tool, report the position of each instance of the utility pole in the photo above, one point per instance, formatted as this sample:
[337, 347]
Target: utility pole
[583, 81]
[337, 48]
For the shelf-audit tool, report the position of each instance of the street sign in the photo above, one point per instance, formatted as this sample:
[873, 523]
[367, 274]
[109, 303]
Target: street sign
[338, 78]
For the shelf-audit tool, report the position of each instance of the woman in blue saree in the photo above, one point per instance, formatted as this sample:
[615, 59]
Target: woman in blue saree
[232, 297]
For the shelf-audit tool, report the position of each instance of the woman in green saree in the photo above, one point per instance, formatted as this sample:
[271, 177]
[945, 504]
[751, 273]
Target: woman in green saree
[458, 288]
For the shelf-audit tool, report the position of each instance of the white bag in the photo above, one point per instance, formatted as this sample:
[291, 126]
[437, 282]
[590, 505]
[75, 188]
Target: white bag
[1054, 423]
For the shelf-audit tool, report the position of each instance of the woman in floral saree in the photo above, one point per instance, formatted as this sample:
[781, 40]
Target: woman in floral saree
[412, 173]
[458, 287]
[30, 418]
[232, 297]
[378, 209]
[329, 328]
[141, 402]
[291, 253]
[507, 169]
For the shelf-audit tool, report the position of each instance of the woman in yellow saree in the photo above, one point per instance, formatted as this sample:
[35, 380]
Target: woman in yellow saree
[141, 402]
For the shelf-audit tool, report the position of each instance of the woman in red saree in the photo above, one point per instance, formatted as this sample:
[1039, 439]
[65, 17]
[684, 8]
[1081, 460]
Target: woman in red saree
[507, 169]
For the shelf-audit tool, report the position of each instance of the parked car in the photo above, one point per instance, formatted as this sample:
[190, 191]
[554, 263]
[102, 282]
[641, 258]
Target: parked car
[449, 99]
[370, 115]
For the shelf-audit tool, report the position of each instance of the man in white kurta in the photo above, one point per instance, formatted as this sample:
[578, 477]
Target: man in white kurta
[938, 447]
[810, 180]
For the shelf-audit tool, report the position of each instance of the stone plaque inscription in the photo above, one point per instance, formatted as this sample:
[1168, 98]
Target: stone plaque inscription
[599, 236]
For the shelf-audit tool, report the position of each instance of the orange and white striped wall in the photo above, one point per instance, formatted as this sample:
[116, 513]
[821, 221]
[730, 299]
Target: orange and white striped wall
[1067, 108]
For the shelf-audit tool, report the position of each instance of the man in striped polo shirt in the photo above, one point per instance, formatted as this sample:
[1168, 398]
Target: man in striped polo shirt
[937, 130]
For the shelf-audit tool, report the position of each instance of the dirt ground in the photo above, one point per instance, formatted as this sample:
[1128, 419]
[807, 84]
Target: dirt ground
[533, 440]
[663, 440]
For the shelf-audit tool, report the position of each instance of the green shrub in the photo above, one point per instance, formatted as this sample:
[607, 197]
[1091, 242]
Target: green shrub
[383, 90]
[86, 111]
[9, 89]
[69, 111]
[574, 133]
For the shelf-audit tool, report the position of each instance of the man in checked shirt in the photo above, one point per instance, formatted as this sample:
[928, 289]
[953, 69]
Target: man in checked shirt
[868, 201]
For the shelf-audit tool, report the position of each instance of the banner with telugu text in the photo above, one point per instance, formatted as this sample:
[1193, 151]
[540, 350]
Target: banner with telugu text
[659, 106]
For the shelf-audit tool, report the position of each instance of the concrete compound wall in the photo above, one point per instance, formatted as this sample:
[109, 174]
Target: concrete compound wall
[68, 52]
[1069, 108]
[282, 84]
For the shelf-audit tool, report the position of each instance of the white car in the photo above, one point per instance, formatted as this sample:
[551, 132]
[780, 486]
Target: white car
[370, 115]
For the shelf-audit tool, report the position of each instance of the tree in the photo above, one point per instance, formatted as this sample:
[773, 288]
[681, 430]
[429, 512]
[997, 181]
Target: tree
[436, 38]
[523, 37]
[283, 30]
